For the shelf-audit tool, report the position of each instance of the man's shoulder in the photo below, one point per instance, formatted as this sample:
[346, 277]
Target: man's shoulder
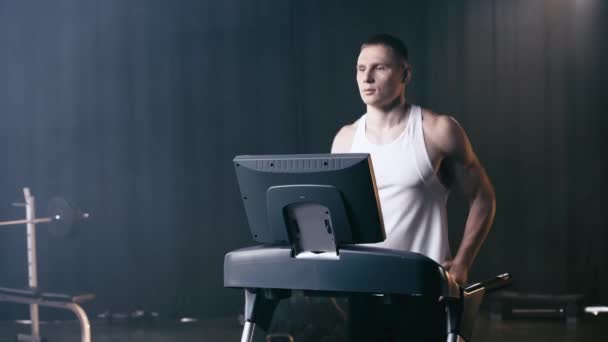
[441, 129]
[344, 138]
[440, 124]
[437, 120]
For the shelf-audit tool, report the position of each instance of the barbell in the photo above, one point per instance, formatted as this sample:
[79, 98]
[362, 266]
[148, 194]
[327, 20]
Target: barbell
[61, 216]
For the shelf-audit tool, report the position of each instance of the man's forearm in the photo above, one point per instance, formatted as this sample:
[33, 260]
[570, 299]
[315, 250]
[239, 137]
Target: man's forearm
[479, 221]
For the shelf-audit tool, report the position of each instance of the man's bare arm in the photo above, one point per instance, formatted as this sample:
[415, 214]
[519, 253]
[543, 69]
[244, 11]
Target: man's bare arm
[473, 181]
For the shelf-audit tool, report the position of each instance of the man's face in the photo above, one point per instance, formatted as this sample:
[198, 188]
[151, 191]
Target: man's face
[379, 75]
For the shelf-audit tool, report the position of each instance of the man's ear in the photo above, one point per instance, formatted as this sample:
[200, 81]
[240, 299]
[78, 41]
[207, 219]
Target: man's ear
[407, 73]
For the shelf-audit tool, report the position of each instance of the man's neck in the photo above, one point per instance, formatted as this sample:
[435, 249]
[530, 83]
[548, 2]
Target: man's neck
[388, 116]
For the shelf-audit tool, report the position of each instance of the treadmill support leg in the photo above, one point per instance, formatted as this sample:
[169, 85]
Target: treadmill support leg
[251, 299]
[259, 308]
[453, 318]
[248, 332]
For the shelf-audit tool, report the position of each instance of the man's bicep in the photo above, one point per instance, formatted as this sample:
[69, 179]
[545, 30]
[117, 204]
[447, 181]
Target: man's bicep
[470, 178]
[470, 175]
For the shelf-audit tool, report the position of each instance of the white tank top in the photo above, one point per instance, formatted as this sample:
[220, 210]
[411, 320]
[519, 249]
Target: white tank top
[412, 199]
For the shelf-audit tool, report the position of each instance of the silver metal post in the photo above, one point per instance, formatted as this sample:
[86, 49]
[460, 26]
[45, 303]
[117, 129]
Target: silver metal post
[30, 216]
[452, 337]
[248, 332]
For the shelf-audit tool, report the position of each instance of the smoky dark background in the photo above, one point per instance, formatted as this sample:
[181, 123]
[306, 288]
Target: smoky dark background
[134, 110]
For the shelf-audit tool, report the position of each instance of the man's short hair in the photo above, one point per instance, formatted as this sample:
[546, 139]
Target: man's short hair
[398, 46]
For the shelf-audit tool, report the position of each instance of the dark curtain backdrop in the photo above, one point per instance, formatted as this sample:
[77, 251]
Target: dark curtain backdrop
[134, 109]
[525, 79]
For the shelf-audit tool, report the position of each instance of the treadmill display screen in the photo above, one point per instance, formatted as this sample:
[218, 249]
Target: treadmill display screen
[277, 189]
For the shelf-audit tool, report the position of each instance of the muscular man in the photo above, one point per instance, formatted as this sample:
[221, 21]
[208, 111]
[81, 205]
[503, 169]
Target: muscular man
[417, 156]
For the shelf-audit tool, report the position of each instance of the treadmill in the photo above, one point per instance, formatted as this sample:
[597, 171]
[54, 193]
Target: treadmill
[310, 213]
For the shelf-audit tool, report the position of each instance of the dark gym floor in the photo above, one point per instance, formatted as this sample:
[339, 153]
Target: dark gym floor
[227, 329]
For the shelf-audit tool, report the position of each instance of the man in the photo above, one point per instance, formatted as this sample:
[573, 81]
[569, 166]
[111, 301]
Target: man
[417, 156]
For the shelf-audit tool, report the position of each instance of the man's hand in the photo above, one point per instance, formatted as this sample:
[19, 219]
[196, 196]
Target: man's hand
[459, 271]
